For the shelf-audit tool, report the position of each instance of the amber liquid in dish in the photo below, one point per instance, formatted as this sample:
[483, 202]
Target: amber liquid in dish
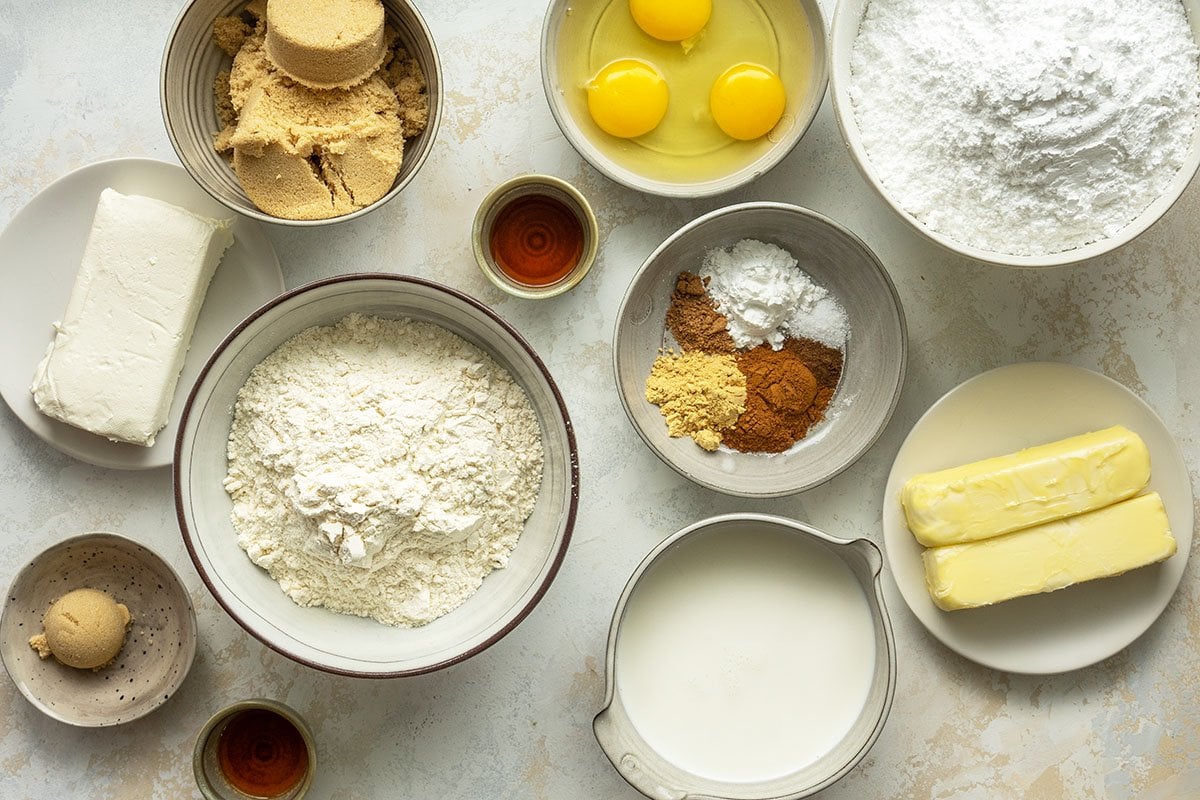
[261, 753]
[536, 240]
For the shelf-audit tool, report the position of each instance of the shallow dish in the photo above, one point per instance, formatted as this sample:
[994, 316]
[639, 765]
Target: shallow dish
[875, 353]
[41, 249]
[843, 590]
[847, 19]
[159, 645]
[566, 56]
[318, 637]
[1004, 410]
[190, 65]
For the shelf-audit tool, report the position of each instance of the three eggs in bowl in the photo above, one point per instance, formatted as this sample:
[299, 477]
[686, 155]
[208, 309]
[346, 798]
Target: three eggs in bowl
[684, 99]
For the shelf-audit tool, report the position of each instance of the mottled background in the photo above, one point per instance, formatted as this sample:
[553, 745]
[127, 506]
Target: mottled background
[79, 83]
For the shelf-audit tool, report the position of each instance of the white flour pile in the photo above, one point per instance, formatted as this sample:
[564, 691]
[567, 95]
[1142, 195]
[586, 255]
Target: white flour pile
[381, 468]
[766, 297]
[1025, 126]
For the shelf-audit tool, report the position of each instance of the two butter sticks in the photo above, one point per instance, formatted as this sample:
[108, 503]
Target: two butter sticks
[1037, 520]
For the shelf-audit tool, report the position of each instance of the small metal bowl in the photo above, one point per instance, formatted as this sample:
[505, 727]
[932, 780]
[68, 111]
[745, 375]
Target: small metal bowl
[159, 645]
[190, 65]
[206, 765]
[875, 353]
[657, 772]
[524, 186]
[800, 28]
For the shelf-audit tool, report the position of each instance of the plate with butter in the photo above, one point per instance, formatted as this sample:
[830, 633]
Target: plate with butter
[122, 277]
[1038, 518]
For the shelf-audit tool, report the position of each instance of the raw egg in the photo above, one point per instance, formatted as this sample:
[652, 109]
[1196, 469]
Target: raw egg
[747, 101]
[671, 20]
[627, 97]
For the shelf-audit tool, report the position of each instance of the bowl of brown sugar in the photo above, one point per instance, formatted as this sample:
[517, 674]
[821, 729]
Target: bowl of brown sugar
[760, 349]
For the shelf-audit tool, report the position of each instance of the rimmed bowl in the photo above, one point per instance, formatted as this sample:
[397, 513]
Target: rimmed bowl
[875, 353]
[847, 19]
[190, 65]
[317, 637]
[566, 65]
[860, 669]
[160, 641]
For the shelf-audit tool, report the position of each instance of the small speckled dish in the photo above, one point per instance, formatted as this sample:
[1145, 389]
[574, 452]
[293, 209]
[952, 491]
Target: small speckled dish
[159, 645]
[205, 760]
[533, 185]
[875, 353]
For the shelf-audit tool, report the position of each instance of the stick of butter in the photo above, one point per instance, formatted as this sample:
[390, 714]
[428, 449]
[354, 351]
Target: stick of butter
[1036, 485]
[118, 351]
[1098, 544]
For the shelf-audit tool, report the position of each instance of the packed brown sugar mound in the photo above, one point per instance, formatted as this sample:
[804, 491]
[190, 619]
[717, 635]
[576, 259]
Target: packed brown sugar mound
[313, 153]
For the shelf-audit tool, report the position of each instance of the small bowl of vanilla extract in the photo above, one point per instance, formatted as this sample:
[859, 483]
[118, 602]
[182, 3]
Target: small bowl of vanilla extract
[254, 748]
[535, 236]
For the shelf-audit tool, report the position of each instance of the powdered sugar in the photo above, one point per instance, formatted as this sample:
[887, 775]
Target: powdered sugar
[1027, 126]
[381, 468]
[766, 297]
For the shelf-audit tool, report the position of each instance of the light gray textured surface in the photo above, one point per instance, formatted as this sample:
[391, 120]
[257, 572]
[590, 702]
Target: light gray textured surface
[79, 83]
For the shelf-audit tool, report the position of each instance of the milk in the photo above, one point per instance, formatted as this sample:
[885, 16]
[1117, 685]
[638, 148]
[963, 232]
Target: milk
[745, 654]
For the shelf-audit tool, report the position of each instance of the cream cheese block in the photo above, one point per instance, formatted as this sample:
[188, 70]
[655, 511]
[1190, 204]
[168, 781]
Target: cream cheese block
[1051, 481]
[116, 356]
[1043, 558]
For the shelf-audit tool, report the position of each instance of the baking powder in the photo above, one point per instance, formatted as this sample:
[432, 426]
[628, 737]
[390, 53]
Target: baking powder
[381, 468]
[1025, 126]
[766, 297]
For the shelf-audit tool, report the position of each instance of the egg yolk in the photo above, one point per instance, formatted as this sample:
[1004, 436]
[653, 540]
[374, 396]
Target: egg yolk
[747, 101]
[671, 20]
[627, 98]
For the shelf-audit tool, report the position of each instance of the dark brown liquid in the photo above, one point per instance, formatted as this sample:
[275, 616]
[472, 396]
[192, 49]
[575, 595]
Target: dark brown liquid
[261, 753]
[536, 240]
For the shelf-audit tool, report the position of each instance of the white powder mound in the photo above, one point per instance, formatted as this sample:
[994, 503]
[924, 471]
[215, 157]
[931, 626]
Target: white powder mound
[381, 468]
[1025, 126]
[766, 297]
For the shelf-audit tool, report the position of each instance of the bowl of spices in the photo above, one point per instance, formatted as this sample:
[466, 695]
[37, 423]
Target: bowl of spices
[254, 748]
[535, 236]
[1046, 132]
[760, 349]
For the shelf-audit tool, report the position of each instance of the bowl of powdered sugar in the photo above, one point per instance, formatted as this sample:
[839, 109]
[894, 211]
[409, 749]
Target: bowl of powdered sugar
[376, 476]
[1030, 133]
[760, 349]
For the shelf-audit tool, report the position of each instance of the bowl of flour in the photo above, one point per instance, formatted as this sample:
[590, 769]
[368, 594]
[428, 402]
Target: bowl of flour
[1033, 133]
[376, 476]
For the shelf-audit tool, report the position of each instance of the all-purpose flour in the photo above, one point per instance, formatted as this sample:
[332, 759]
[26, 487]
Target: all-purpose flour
[381, 468]
[1025, 126]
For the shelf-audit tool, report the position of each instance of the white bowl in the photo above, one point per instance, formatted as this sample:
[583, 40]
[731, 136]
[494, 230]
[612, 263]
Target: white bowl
[315, 636]
[847, 20]
[875, 353]
[568, 20]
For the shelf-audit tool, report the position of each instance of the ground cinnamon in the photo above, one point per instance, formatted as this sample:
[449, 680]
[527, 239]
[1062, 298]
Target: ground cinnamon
[693, 319]
[787, 392]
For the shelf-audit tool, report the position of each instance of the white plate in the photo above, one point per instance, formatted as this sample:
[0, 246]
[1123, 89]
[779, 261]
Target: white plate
[40, 252]
[1002, 411]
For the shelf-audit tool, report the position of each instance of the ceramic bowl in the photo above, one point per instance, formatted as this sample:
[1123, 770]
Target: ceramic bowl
[206, 764]
[872, 373]
[315, 636]
[534, 185]
[190, 64]
[567, 64]
[847, 20]
[159, 644]
[654, 759]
